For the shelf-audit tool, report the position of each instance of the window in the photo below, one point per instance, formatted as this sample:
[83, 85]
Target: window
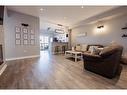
[44, 42]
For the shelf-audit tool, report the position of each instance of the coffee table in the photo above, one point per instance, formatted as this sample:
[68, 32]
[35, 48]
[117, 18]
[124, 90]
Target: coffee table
[74, 54]
[124, 59]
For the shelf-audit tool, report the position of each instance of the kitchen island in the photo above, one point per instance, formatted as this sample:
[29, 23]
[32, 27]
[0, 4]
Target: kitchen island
[59, 47]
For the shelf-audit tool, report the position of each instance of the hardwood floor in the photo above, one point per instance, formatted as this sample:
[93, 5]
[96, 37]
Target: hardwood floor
[55, 72]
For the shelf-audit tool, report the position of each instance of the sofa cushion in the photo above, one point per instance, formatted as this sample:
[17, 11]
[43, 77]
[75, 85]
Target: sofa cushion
[100, 49]
[106, 51]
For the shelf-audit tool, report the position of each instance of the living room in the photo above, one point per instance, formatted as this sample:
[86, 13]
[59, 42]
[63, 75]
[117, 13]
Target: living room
[91, 28]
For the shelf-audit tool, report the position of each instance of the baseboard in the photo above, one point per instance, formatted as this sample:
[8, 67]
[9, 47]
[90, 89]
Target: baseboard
[3, 68]
[18, 58]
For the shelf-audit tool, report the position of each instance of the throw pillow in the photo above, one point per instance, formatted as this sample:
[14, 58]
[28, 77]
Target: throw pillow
[78, 48]
[95, 51]
[91, 48]
[84, 47]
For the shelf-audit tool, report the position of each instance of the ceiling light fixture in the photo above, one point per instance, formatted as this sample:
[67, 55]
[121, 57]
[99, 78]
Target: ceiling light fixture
[59, 24]
[65, 17]
[82, 4]
[41, 9]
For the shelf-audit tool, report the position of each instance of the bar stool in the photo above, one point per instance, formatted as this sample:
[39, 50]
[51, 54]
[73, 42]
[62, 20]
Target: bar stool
[63, 49]
[57, 49]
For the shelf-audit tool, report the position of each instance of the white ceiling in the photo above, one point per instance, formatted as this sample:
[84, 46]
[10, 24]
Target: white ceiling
[65, 15]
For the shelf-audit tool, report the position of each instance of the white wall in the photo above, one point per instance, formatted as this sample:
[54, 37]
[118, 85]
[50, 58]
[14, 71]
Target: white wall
[13, 19]
[1, 34]
[112, 32]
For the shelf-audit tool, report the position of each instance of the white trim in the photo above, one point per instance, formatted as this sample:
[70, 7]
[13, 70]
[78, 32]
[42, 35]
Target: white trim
[18, 58]
[3, 68]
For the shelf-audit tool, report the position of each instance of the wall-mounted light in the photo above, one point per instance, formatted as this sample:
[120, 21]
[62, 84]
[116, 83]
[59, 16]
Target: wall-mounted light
[23, 24]
[101, 26]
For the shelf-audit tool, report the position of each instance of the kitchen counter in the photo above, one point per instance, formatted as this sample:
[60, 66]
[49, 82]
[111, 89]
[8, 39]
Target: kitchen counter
[59, 44]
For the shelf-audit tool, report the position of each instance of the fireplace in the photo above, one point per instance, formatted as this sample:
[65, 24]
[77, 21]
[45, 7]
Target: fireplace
[1, 55]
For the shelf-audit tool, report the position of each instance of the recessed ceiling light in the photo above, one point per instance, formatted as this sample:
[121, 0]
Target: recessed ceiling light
[82, 7]
[41, 9]
[65, 17]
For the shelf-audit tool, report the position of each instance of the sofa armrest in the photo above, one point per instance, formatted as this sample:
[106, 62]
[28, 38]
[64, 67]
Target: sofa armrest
[90, 57]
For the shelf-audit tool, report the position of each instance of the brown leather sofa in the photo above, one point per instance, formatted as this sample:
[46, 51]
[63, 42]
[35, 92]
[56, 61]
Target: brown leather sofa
[1, 55]
[107, 63]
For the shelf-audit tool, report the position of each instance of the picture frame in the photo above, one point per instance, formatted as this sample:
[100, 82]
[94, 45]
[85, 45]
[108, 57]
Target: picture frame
[25, 42]
[82, 34]
[31, 31]
[32, 36]
[18, 36]
[25, 30]
[32, 42]
[25, 36]
[18, 42]
[17, 29]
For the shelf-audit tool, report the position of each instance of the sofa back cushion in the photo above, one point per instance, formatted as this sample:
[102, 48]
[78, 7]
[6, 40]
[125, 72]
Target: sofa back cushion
[84, 47]
[110, 50]
[78, 48]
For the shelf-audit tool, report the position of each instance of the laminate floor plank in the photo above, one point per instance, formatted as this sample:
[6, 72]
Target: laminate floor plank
[56, 72]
